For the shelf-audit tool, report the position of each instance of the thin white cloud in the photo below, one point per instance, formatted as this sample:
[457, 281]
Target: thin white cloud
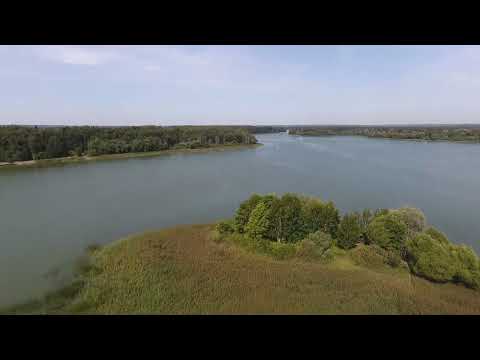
[243, 84]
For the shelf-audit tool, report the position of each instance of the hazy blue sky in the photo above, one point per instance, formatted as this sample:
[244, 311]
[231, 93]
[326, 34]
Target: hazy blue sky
[166, 85]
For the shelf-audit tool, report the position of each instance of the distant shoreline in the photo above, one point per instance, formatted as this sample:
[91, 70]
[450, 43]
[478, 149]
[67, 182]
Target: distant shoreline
[87, 159]
[391, 138]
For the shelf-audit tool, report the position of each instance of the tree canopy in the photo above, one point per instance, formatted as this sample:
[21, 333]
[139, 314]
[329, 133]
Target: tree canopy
[21, 143]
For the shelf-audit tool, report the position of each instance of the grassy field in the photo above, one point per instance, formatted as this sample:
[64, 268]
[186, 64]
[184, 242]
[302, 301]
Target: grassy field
[87, 159]
[182, 270]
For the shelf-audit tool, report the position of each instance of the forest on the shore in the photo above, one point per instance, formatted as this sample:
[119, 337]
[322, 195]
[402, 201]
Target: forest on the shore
[23, 143]
[469, 133]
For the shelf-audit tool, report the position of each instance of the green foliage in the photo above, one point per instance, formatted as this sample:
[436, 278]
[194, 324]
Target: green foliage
[449, 133]
[380, 212]
[438, 260]
[258, 225]
[282, 251]
[365, 218]
[413, 218]
[311, 229]
[388, 231]
[349, 231]
[468, 266]
[437, 235]
[430, 259]
[317, 215]
[315, 245]
[322, 240]
[286, 223]
[20, 143]
[225, 227]
[243, 212]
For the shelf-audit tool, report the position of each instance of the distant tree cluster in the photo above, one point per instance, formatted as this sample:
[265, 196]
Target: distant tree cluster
[469, 133]
[20, 143]
[402, 235]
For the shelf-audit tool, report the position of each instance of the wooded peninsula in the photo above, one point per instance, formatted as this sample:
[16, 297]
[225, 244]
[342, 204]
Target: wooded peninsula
[24, 143]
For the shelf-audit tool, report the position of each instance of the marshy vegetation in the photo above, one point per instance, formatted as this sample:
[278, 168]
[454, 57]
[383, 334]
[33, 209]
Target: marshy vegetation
[311, 260]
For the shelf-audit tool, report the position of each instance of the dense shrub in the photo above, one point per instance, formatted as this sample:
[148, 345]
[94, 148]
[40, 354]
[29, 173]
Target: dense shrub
[243, 212]
[371, 256]
[437, 235]
[349, 232]
[394, 259]
[468, 266]
[286, 217]
[283, 251]
[305, 227]
[258, 224]
[434, 258]
[430, 259]
[413, 218]
[225, 227]
[317, 215]
[388, 231]
[365, 218]
[314, 245]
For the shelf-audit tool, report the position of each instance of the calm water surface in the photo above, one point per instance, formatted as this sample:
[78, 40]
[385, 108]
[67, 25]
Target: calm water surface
[48, 216]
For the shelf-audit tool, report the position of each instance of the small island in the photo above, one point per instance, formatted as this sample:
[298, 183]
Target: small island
[290, 255]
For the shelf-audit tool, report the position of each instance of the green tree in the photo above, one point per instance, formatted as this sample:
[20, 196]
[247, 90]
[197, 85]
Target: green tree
[388, 231]
[258, 224]
[413, 218]
[243, 213]
[430, 259]
[437, 235]
[365, 218]
[317, 215]
[286, 218]
[349, 231]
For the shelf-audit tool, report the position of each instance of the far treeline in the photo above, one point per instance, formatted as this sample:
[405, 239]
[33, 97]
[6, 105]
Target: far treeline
[21, 143]
[293, 225]
[470, 133]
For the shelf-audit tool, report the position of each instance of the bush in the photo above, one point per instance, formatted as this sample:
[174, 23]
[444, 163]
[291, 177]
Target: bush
[286, 215]
[349, 232]
[282, 251]
[314, 245]
[388, 231]
[373, 256]
[258, 225]
[413, 218]
[393, 259]
[321, 240]
[439, 260]
[430, 259]
[243, 213]
[319, 216]
[437, 235]
[225, 227]
[468, 267]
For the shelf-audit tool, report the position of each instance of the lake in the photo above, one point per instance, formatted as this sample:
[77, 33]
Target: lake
[48, 216]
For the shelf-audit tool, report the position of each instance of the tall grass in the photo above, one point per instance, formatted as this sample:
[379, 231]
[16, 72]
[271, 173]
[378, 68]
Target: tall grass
[186, 270]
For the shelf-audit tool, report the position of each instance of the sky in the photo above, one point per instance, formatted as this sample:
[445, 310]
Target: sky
[224, 85]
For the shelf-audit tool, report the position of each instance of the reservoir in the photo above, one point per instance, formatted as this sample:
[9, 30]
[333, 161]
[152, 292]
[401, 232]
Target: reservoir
[48, 216]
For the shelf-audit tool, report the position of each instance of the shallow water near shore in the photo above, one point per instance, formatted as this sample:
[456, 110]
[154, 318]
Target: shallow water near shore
[48, 216]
